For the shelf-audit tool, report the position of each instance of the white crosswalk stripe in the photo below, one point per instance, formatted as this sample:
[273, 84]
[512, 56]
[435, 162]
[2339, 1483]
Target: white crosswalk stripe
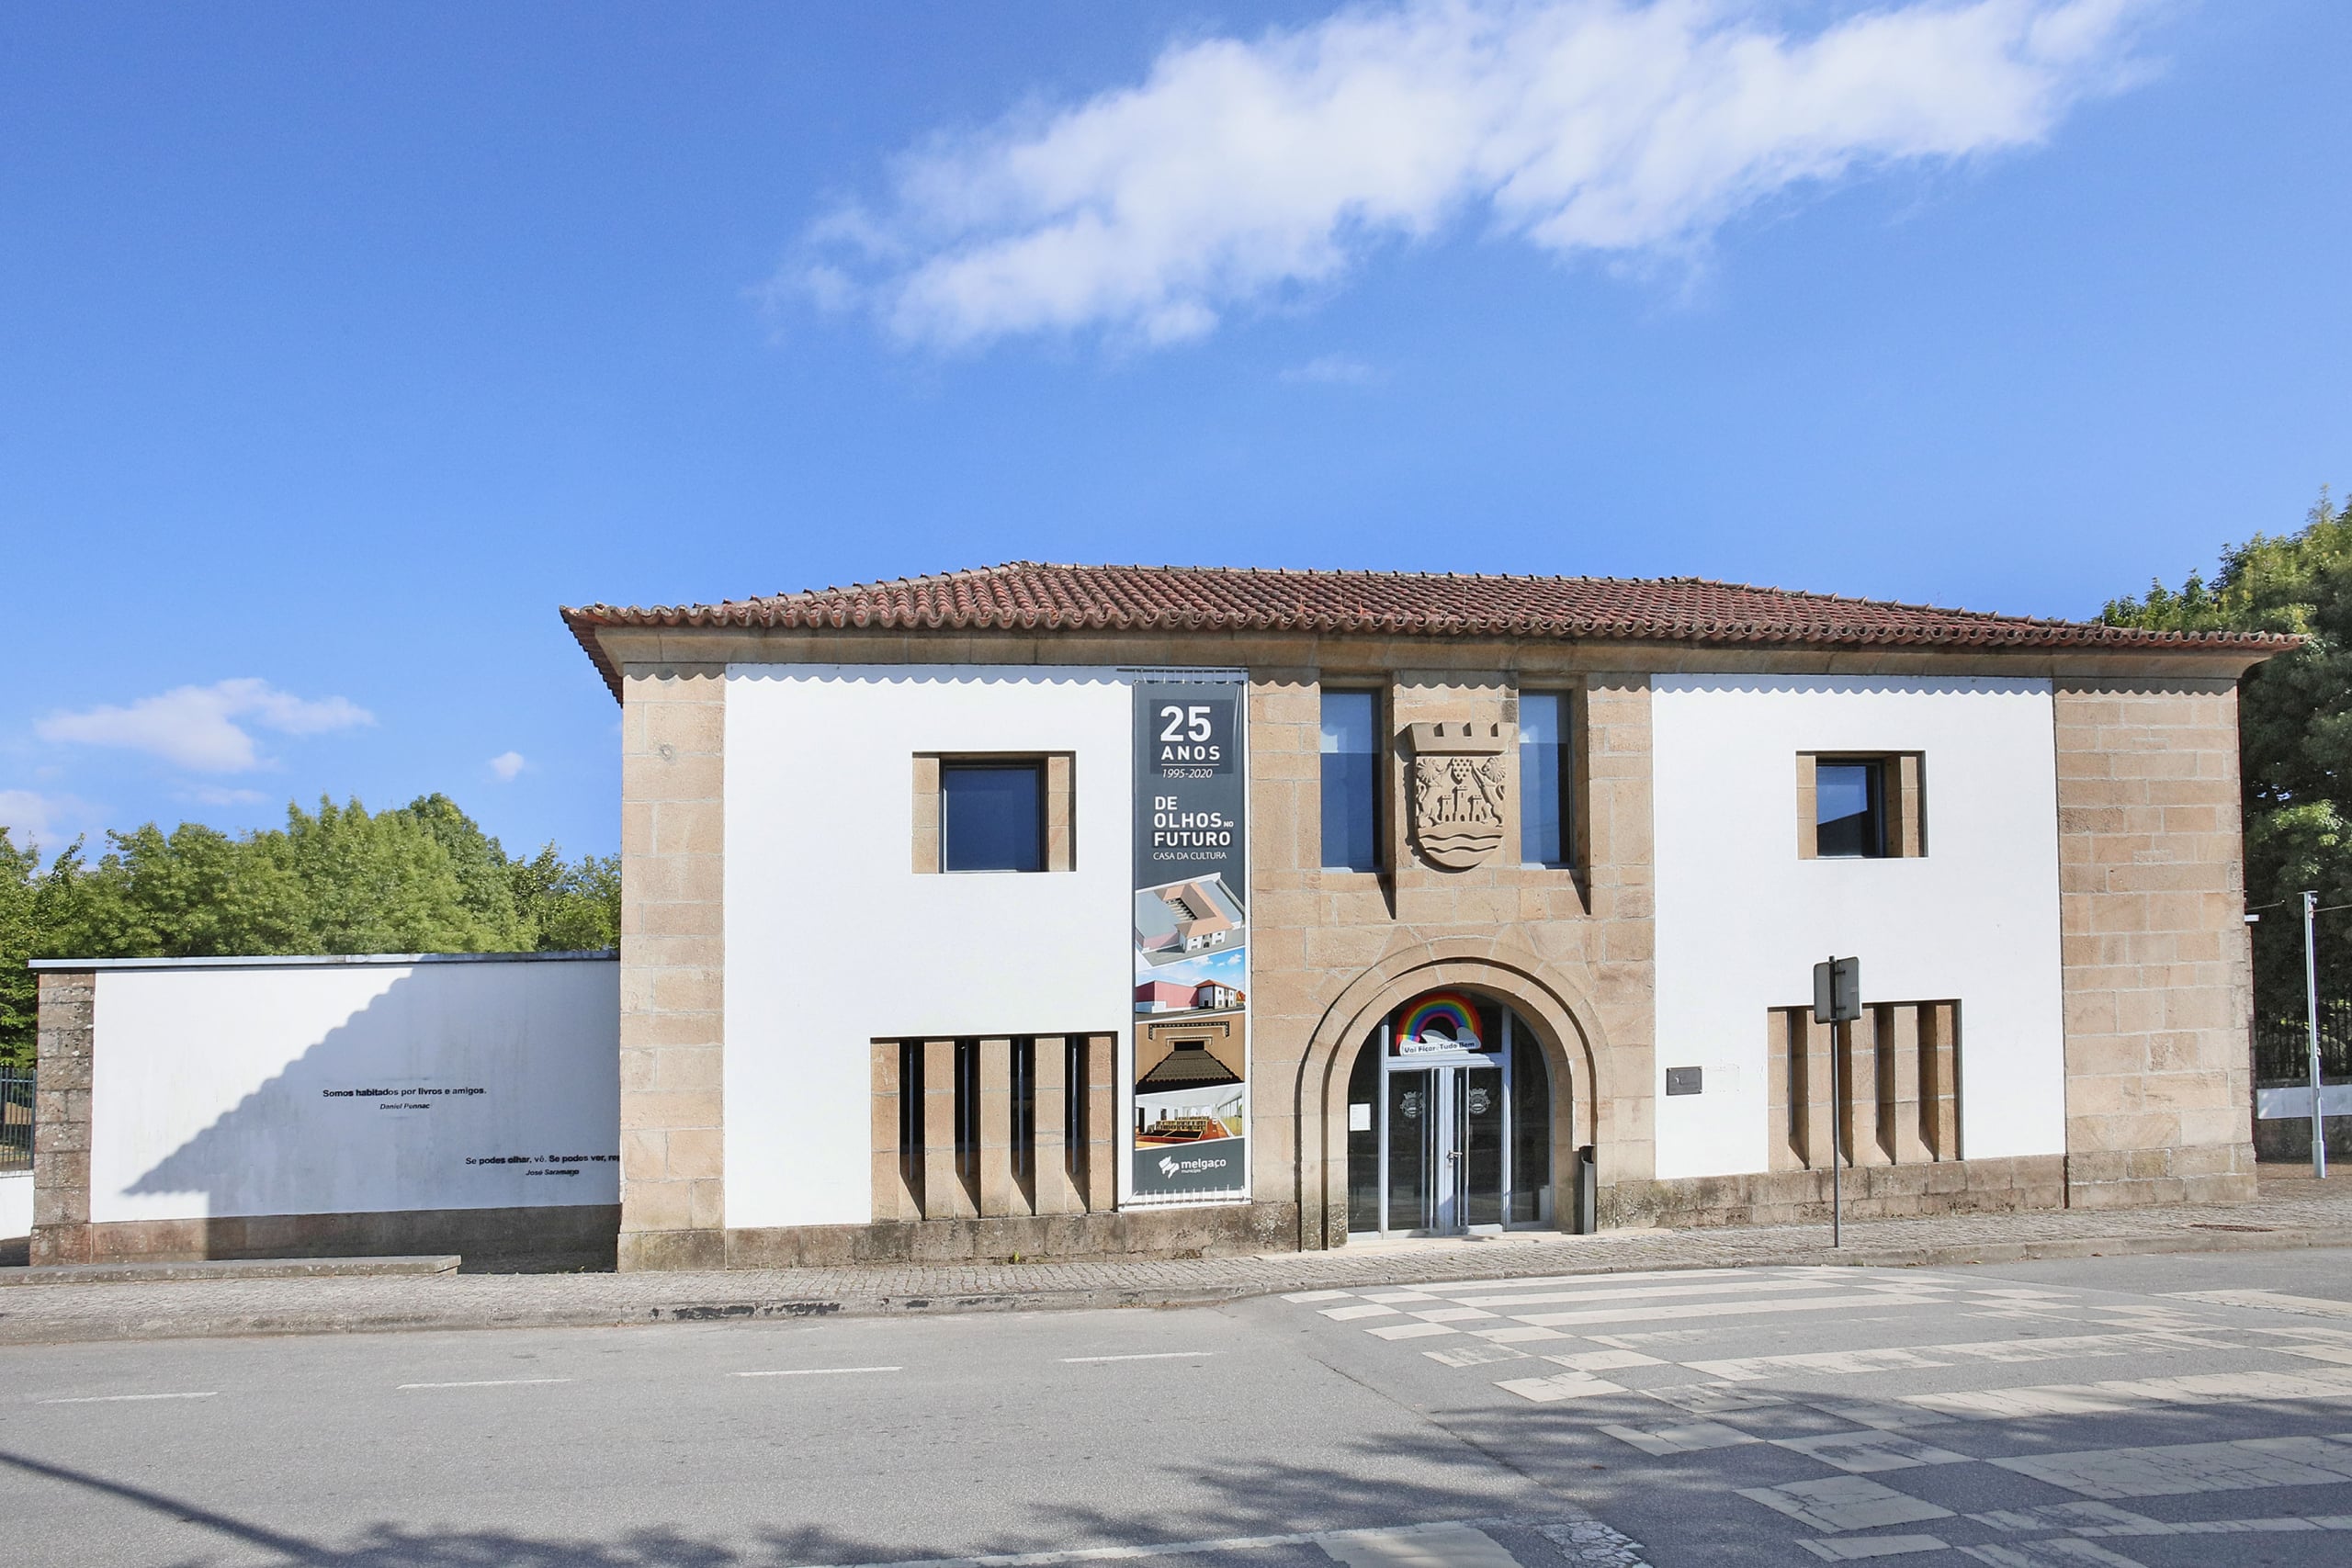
[1678, 1366]
[2188, 1468]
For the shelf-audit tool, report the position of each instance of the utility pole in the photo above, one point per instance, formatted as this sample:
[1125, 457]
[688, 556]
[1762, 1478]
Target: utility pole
[2311, 1013]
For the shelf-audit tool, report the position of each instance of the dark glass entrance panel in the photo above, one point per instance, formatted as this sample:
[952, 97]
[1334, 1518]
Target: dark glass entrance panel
[1412, 1150]
[1478, 1136]
[1450, 1137]
[1530, 1115]
[1364, 1139]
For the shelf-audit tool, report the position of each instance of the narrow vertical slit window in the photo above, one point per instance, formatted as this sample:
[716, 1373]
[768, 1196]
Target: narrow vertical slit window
[910, 1117]
[1024, 1112]
[1074, 1101]
[1850, 809]
[967, 1110]
[1545, 779]
[1350, 781]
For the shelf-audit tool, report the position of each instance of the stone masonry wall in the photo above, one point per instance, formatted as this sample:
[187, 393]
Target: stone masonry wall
[1314, 933]
[673, 725]
[2157, 964]
[65, 1028]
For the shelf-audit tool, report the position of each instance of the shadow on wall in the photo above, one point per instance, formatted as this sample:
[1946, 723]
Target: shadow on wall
[463, 1108]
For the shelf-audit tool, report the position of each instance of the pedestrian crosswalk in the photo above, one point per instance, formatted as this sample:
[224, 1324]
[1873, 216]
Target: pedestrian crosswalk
[1892, 1411]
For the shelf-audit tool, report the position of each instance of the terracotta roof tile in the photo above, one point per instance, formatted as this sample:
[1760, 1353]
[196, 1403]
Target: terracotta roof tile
[1032, 596]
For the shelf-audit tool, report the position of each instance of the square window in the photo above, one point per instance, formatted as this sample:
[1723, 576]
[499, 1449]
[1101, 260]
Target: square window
[1350, 781]
[992, 816]
[1849, 808]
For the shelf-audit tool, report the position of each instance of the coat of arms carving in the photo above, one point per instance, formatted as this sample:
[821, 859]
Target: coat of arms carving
[1459, 787]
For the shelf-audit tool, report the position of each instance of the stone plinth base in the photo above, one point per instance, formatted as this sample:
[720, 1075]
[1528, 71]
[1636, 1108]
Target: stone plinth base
[489, 1240]
[1870, 1192]
[2289, 1139]
[1224, 1230]
[2132, 1178]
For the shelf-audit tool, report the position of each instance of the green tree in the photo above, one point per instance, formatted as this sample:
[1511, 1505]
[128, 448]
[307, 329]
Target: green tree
[485, 876]
[570, 906]
[18, 867]
[381, 883]
[32, 903]
[423, 878]
[192, 892]
[2295, 733]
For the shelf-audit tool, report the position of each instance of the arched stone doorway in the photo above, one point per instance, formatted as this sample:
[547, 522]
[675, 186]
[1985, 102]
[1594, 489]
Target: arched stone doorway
[1449, 1110]
[1564, 1027]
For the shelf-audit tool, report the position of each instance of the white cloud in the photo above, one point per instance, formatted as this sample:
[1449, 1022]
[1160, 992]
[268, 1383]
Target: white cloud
[1333, 370]
[45, 819]
[1237, 169]
[506, 765]
[199, 727]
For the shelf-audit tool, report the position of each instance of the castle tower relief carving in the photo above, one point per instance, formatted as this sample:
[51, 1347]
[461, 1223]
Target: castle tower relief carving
[1459, 789]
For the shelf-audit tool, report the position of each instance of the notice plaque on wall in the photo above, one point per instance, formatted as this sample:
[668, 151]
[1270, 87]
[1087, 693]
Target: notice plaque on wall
[1188, 1129]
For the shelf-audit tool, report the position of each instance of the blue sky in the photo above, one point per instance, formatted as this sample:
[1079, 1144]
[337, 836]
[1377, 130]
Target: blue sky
[341, 344]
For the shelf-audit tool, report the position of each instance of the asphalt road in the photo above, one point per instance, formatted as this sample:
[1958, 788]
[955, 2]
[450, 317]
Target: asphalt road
[2026, 1415]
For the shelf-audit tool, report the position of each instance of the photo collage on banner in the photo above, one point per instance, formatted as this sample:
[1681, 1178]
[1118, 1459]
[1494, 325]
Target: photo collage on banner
[1190, 1119]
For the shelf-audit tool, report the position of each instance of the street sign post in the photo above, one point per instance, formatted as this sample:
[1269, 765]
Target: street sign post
[1837, 999]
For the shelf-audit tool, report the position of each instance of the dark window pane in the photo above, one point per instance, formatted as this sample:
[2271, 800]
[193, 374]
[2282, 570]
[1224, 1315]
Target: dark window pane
[1543, 779]
[1846, 811]
[992, 817]
[1350, 781]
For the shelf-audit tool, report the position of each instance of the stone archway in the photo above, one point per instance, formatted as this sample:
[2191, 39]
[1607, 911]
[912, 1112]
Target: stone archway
[1564, 1020]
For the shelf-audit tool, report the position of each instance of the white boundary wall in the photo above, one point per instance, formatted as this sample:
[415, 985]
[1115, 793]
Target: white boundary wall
[233, 1087]
[1741, 919]
[16, 1204]
[834, 942]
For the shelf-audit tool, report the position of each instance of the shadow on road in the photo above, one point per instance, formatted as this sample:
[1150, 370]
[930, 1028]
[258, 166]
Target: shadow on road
[1250, 1498]
[1535, 1464]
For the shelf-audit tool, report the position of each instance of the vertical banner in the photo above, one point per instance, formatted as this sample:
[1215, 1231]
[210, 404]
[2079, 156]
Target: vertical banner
[1188, 1129]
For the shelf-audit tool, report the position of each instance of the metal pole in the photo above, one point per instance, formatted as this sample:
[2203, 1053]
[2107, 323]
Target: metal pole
[1837, 1117]
[2310, 1012]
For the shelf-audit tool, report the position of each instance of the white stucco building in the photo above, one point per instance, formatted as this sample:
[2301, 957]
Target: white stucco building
[1531, 876]
[1048, 910]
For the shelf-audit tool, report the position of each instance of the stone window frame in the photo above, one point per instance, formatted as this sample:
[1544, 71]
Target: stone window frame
[1060, 768]
[1903, 801]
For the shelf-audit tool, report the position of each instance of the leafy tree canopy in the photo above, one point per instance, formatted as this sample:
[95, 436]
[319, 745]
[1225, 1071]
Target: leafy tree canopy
[423, 878]
[2295, 723]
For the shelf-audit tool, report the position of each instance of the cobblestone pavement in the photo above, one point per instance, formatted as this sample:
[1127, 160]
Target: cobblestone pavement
[2288, 1213]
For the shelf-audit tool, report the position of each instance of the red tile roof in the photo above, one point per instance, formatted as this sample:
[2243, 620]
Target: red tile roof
[1030, 596]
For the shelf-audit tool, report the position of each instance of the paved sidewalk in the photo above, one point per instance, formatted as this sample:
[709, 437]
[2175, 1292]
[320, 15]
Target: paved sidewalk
[2288, 1213]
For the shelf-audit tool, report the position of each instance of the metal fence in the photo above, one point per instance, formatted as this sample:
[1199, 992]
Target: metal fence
[15, 1121]
[2283, 1051]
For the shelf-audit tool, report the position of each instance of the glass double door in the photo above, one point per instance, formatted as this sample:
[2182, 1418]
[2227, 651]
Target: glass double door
[1448, 1156]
